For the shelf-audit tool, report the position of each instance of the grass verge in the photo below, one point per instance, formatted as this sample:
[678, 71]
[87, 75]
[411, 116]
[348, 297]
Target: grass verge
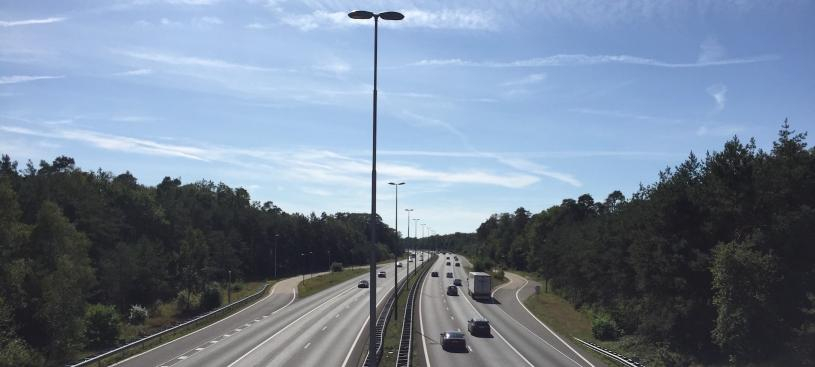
[318, 283]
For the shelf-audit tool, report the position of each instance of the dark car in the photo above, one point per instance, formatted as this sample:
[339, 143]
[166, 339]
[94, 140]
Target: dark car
[452, 290]
[362, 284]
[453, 340]
[448, 263]
[458, 264]
[478, 326]
[449, 274]
[457, 282]
[434, 274]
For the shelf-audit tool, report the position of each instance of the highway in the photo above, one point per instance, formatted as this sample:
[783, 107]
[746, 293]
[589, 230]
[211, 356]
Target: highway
[281, 330]
[518, 339]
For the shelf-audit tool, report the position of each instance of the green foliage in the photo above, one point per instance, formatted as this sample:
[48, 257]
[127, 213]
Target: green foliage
[336, 266]
[603, 327]
[482, 264]
[187, 302]
[101, 326]
[713, 262]
[138, 315]
[747, 322]
[210, 298]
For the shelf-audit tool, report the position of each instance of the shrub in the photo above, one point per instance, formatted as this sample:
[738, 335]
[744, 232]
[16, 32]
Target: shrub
[498, 274]
[101, 326]
[336, 267]
[604, 328]
[210, 298]
[138, 315]
[187, 301]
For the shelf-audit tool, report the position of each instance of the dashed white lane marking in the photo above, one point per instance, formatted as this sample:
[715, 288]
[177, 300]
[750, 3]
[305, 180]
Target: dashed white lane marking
[182, 358]
[451, 318]
[213, 341]
[324, 327]
[265, 316]
[256, 320]
[338, 315]
[470, 348]
[227, 335]
[236, 330]
[247, 325]
[307, 345]
[199, 349]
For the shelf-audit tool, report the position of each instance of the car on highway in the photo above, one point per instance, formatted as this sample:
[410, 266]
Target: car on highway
[478, 326]
[448, 263]
[381, 274]
[399, 264]
[451, 340]
[362, 284]
[458, 264]
[457, 282]
[455, 257]
[448, 258]
[452, 290]
[434, 274]
[449, 274]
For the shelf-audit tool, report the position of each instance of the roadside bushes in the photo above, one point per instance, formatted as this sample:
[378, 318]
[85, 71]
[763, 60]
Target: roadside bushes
[603, 327]
[336, 267]
[138, 315]
[101, 325]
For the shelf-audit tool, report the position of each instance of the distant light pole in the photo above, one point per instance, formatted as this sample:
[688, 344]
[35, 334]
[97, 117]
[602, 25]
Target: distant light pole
[276, 235]
[408, 237]
[396, 257]
[423, 235]
[388, 15]
[303, 262]
[329, 261]
[415, 230]
[229, 289]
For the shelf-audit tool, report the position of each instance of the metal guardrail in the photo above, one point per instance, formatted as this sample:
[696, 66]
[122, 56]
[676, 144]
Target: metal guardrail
[615, 356]
[382, 323]
[141, 343]
[406, 341]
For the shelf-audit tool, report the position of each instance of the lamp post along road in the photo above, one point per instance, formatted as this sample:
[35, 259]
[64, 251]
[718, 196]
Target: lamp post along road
[396, 257]
[408, 236]
[388, 15]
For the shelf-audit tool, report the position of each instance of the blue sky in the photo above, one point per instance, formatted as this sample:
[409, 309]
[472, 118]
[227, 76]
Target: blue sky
[484, 106]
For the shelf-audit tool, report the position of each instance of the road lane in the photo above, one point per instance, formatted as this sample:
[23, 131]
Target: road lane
[439, 312]
[314, 331]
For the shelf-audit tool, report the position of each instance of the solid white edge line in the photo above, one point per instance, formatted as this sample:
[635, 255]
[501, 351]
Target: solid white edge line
[293, 297]
[499, 334]
[286, 327]
[544, 325]
[499, 287]
[203, 328]
[359, 334]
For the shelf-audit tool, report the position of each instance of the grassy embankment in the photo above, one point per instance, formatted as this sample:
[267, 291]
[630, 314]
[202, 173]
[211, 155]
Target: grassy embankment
[320, 282]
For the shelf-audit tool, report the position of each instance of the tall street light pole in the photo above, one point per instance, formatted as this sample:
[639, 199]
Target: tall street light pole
[388, 15]
[408, 236]
[303, 262]
[275, 254]
[415, 230]
[396, 257]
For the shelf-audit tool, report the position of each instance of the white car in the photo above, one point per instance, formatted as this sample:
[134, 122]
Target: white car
[382, 274]
[399, 264]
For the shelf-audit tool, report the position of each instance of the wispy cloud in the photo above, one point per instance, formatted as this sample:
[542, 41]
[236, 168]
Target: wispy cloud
[627, 115]
[718, 92]
[193, 2]
[581, 59]
[711, 51]
[256, 26]
[114, 142]
[13, 79]
[135, 72]
[17, 23]
[527, 80]
[465, 19]
[190, 61]
[719, 131]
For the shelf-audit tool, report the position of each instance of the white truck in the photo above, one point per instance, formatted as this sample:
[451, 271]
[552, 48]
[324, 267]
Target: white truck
[479, 285]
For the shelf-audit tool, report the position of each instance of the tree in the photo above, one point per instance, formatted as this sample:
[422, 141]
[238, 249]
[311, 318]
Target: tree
[101, 326]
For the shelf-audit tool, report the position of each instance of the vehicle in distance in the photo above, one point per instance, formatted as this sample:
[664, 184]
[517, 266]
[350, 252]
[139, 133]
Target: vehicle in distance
[457, 282]
[458, 264]
[448, 263]
[381, 274]
[455, 257]
[362, 284]
[410, 260]
[478, 326]
[451, 340]
[399, 264]
[449, 274]
[452, 290]
[434, 274]
[479, 285]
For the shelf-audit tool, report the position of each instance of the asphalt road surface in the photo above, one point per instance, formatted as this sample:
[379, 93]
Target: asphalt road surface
[518, 339]
[280, 330]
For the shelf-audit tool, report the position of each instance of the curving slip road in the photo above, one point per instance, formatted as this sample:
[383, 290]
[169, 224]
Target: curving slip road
[518, 339]
[279, 330]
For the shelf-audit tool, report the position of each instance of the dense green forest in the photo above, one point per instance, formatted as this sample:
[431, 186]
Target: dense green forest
[80, 250]
[713, 263]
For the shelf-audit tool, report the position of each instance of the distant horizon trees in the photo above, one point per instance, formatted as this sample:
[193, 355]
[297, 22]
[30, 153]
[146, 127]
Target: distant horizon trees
[71, 239]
